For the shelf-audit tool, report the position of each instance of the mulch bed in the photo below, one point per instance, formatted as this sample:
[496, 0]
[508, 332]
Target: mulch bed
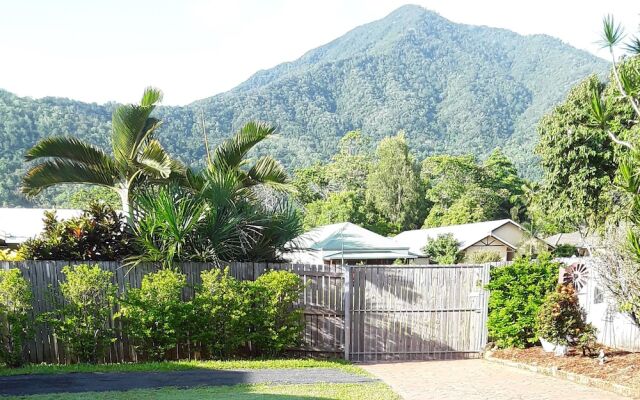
[621, 367]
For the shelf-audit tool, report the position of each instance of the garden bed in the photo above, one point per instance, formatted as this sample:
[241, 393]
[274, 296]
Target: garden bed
[622, 367]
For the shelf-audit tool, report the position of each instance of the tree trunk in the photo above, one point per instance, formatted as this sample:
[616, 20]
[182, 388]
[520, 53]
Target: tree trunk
[126, 204]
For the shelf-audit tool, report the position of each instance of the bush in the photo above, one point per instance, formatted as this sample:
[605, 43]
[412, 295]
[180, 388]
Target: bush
[11, 255]
[561, 320]
[220, 313]
[15, 304]
[565, 250]
[483, 257]
[99, 234]
[82, 323]
[517, 291]
[155, 317]
[443, 249]
[275, 323]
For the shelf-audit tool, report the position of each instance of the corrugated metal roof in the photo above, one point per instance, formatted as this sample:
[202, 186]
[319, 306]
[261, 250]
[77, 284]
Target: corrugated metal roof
[466, 234]
[344, 236]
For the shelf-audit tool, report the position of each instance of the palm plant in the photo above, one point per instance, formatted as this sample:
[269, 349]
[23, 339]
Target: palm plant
[220, 215]
[137, 156]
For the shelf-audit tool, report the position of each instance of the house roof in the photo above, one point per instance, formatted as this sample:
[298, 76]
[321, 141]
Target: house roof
[466, 234]
[347, 240]
[20, 224]
[571, 238]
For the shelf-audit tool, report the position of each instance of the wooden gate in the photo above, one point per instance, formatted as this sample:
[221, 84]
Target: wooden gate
[415, 312]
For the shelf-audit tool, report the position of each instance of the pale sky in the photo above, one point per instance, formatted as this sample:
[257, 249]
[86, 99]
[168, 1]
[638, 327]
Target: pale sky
[109, 50]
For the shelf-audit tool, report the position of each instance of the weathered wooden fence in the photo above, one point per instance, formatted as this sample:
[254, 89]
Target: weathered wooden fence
[382, 312]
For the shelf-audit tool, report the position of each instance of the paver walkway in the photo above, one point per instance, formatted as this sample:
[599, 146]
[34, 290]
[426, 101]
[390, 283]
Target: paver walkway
[478, 380]
[99, 382]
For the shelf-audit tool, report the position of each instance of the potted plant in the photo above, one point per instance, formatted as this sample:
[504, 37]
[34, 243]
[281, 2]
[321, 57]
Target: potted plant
[560, 321]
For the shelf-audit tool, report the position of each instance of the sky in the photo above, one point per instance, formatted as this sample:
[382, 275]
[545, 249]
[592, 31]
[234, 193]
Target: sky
[109, 50]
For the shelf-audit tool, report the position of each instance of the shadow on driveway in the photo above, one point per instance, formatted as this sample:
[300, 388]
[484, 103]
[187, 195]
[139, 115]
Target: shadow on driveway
[101, 382]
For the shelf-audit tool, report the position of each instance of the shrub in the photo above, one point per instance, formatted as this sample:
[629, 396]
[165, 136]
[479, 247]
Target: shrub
[443, 249]
[15, 304]
[11, 255]
[99, 234]
[82, 323]
[276, 323]
[155, 317]
[220, 311]
[560, 319]
[483, 257]
[565, 250]
[517, 291]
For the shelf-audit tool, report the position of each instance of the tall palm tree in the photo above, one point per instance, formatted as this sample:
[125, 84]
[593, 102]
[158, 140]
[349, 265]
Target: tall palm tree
[137, 156]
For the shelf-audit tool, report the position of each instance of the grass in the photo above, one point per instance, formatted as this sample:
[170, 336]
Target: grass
[184, 365]
[321, 391]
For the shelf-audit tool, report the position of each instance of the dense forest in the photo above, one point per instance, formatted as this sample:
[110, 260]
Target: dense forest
[452, 88]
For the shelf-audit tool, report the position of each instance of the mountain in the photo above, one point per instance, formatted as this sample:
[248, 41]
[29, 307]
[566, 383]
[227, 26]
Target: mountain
[452, 88]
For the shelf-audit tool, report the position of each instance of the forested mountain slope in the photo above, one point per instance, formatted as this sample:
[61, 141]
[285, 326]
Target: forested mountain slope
[452, 88]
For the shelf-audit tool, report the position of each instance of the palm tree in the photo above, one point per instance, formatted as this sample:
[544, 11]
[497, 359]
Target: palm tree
[137, 156]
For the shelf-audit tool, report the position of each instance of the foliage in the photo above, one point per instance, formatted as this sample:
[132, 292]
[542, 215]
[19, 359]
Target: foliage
[155, 318]
[443, 249]
[15, 305]
[461, 190]
[83, 196]
[98, 234]
[483, 257]
[561, 320]
[393, 186]
[276, 323]
[227, 212]
[220, 313]
[81, 322]
[137, 156]
[565, 250]
[11, 255]
[486, 87]
[516, 292]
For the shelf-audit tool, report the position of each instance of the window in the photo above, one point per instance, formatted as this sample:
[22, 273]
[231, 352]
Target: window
[598, 295]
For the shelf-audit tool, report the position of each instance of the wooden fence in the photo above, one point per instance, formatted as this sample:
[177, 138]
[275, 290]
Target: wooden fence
[387, 312]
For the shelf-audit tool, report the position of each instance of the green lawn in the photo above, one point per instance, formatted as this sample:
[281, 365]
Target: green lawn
[183, 365]
[342, 391]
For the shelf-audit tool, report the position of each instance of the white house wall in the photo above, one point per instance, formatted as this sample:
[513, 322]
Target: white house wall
[497, 247]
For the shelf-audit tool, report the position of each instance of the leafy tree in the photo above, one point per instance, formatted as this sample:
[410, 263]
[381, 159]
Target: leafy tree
[137, 155]
[393, 186]
[444, 249]
[310, 184]
[83, 197]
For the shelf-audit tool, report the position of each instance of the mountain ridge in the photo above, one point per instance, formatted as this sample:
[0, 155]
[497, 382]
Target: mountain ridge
[451, 87]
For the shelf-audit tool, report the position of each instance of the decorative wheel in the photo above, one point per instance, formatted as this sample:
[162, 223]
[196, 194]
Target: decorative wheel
[576, 275]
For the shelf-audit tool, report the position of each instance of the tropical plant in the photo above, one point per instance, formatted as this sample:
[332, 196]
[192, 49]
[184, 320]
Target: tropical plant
[137, 156]
[82, 321]
[11, 255]
[98, 234]
[482, 257]
[516, 292]
[15, 305]
[229, 211]
[443, 249]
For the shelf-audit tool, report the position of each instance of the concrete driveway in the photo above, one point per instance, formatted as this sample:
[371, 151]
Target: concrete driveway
[476, 380]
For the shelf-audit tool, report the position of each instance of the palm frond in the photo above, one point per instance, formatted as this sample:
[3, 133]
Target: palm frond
[151, 97]
[71, 149]
[270, 172]
[230, 153]
[58, 171]
[127, 124]
[154, 160]
[633, 45]
[612, 33]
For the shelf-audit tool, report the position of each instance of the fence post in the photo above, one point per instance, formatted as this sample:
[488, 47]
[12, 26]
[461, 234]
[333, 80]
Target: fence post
[347, 312]
[486, 272]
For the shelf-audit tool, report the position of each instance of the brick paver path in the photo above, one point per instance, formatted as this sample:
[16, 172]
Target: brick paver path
[478, 379]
